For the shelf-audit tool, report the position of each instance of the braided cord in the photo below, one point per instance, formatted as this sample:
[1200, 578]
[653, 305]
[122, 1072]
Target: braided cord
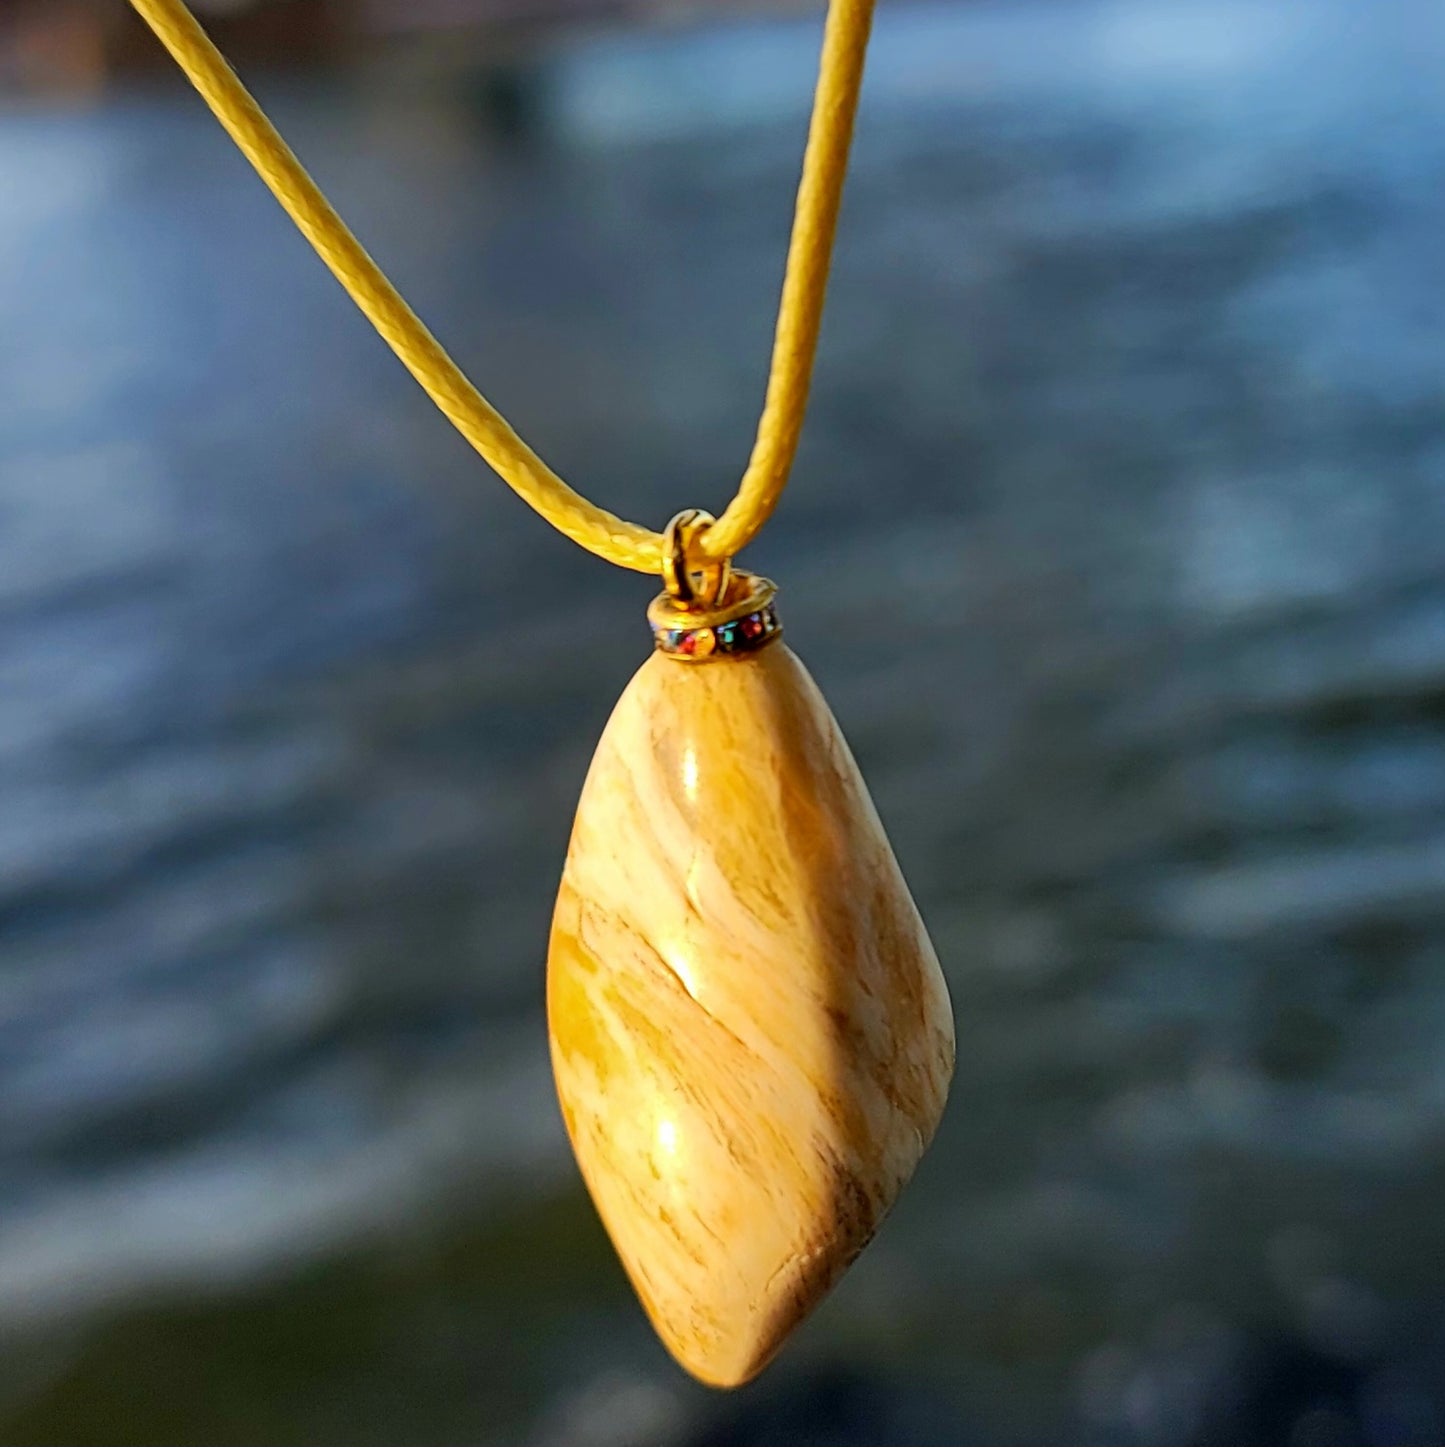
[800, 312]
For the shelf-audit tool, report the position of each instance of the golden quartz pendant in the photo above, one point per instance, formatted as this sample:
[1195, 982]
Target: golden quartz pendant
[751, 1037]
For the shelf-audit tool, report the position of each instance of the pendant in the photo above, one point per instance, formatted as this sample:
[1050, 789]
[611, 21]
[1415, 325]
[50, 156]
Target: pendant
[751, 1038]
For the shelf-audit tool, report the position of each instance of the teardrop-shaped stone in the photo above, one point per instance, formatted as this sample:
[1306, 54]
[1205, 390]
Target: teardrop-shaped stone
[751, 1037]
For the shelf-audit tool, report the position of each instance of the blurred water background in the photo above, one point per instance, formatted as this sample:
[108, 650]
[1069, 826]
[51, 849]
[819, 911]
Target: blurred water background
[1117, 542]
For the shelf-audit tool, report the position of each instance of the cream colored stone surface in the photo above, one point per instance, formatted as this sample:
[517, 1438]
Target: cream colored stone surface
[751, 1038]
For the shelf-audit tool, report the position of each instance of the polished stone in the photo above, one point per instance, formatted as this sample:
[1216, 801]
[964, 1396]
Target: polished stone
[751, 1037]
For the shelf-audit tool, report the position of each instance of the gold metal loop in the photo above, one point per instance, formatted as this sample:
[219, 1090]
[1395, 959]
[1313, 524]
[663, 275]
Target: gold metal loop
[692, 582]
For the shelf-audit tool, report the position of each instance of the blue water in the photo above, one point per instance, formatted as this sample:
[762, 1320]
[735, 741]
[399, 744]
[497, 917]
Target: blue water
[1116, 542]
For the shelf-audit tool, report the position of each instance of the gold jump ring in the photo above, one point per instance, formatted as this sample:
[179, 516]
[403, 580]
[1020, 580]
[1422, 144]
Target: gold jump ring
[690, 581]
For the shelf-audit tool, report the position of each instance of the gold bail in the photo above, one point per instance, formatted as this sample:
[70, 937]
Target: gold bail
[691, 581]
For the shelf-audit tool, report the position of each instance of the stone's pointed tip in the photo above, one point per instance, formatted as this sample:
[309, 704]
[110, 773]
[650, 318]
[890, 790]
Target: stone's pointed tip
[751, 1037]
[721, 1376]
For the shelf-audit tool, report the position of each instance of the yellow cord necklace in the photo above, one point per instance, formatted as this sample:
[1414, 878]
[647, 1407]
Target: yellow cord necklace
[751, 1038]
[629, 545]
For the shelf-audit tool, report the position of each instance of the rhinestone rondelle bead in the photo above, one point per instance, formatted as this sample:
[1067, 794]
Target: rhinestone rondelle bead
[740, 635]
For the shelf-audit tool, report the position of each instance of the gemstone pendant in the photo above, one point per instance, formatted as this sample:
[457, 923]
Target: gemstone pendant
[751, 1037]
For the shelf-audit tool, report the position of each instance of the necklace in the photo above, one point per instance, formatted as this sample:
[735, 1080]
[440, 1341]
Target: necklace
[750, 1035]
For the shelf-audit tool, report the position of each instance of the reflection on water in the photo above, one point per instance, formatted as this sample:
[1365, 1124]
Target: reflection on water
[1116, 543]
